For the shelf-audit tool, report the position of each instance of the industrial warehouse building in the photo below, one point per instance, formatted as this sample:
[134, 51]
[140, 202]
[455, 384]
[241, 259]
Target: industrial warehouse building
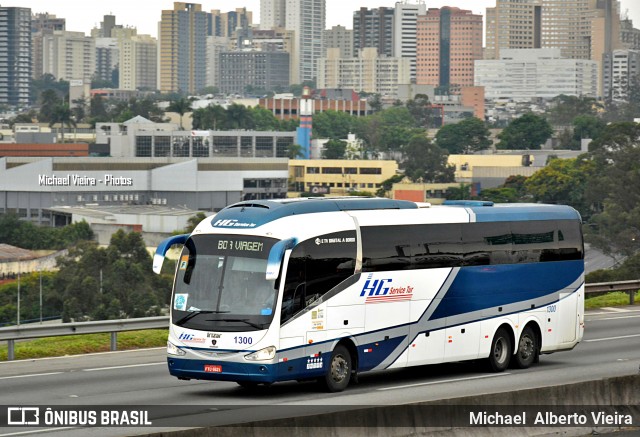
[30, 187]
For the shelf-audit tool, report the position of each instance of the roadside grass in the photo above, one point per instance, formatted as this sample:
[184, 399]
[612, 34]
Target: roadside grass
[84, 344]
[617, 298]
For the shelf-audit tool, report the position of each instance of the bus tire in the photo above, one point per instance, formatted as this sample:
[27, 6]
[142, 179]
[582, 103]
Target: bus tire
[501, 350]
[527, 349]
[339, 370]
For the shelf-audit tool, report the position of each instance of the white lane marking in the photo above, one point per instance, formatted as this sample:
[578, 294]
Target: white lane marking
[612, 338]
[36, 431]
[123, 367]
[616, 310]
[67, 357]
[442, 382]
[29, 376]
[614, 318]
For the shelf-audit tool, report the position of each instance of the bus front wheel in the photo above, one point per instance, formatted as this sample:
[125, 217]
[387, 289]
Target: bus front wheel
[339, 370]
[501, 350]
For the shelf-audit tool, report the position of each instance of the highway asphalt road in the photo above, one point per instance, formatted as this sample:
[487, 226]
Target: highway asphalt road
[611, 347]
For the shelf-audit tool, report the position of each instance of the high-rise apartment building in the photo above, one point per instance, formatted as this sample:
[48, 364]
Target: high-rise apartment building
[629, 36]
[69, 55]
[183, 48]
[582, 29]
[449, 41]
[307, 19]
[225, 24]
[405, 28]
[373, 28]
[138, 62]
[15, 57]
[621, 70]
[513, 24]
[368, 72]
[41, 25]
[272, 14]
[263, 71]
[339, 37]
[107, 60]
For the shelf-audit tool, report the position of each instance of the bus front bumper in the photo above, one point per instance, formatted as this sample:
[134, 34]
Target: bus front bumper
[222, 370]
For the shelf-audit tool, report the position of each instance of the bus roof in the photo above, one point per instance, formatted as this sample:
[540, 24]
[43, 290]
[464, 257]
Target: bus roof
[254, 213]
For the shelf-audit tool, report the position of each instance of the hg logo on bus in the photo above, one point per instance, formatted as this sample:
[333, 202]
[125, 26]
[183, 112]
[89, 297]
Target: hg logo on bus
[374, 287]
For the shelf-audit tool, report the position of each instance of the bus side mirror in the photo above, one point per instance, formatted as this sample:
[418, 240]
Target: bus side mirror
[275, 257]
[163, 248]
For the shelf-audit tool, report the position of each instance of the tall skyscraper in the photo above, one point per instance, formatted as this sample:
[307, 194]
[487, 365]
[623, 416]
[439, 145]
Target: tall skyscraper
[183, 48]
[15, 57]
[307, 19]
[69, 55]
[373, 28]
[513, 24]
[41, 25]
[272, 14]
[449, 41]
[405, 27]
[138, 62]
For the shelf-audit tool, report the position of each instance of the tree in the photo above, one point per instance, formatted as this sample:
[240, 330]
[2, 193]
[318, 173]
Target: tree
[194, 221]
[334, 149]
[614, 189]
[375, 102]
[62, 114]
[426, 162]
[212, 117]
[566, 108]
[180, 106]
[462, 192]
[239, 117]
[468, 136]
[332, 124]
[97, 109]
[388, 130]
[49, 100]
[387, 184]
[527, 132]
[563, 181]
[294, 151]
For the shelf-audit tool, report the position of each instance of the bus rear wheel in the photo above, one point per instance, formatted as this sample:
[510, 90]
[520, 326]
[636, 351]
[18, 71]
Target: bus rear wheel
[339, 370]
[501, 350]
[527, 349]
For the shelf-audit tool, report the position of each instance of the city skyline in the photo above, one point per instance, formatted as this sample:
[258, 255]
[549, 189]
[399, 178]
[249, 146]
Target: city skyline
[83, 16]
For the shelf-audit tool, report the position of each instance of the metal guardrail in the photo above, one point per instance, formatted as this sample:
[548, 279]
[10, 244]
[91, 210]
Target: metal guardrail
[23, 332]
[630, 287]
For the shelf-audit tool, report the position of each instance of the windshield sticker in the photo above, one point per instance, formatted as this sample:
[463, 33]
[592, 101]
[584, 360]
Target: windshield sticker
[183, 262]
[180, 302]
[266, 312]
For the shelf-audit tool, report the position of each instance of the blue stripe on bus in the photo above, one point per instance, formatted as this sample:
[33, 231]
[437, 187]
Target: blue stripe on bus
[519, 212]
[482, 287]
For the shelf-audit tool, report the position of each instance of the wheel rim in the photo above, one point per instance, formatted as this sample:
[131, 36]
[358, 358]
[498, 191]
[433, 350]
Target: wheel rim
[500, 350]
[526, 347]
[339, 368]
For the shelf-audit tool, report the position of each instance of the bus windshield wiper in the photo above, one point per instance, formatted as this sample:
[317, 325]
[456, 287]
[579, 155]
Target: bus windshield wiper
[255, 325]
[191, 315]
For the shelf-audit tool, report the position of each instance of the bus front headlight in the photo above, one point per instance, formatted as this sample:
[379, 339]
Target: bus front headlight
[268, 353]
[172, 349]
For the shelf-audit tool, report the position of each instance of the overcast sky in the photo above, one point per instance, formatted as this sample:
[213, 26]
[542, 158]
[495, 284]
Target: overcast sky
[83, 15]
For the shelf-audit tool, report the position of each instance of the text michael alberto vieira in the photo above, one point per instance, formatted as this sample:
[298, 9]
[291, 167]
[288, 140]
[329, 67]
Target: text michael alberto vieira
[542, 418]
[83, 181]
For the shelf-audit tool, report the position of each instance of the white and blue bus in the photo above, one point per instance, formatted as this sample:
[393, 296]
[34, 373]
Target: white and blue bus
[326, 288]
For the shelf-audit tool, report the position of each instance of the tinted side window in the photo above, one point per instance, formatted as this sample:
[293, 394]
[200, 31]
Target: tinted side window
[438, 245]
[386, 248]
[315, 267]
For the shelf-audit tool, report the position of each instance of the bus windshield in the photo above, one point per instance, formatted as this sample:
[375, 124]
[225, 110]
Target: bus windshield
[221, 284]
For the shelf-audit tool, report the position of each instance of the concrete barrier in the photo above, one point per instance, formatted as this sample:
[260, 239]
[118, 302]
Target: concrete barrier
[406, 420]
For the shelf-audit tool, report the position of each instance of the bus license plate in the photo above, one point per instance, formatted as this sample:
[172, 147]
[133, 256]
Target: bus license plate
[212, 368]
